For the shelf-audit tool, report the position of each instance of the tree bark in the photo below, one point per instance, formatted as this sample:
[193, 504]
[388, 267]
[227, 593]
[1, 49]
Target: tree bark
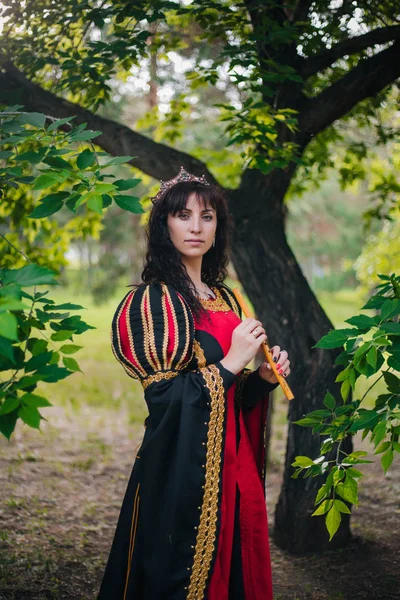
[294, 320]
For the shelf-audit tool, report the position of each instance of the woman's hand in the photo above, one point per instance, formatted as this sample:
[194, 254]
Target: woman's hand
[282, 364]
[247, 338]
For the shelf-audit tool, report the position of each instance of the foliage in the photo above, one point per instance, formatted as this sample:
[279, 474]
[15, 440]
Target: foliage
[371, 348]
[381, 254]
[265, 59]
[36, 333]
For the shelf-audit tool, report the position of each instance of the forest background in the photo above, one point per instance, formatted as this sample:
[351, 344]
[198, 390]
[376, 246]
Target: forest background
[339, 215]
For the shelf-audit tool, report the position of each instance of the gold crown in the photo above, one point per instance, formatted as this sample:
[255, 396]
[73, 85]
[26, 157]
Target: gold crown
[182, 176]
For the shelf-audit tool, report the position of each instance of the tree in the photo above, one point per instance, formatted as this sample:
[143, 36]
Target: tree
[290, 72]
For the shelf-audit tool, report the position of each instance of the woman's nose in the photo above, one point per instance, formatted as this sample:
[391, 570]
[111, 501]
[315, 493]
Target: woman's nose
[195, 225]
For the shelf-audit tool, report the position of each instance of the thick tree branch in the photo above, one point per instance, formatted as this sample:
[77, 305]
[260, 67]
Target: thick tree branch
[325, 59]
[301, 10]
[154, 159]
[367, 79]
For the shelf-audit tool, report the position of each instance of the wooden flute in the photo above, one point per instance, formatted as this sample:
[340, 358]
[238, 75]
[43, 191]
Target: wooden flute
[266, 349]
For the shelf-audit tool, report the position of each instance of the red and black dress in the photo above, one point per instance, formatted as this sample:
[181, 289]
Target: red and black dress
[193, 523]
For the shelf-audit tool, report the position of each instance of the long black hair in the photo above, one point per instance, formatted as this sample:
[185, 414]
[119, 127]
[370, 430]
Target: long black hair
[163, 261]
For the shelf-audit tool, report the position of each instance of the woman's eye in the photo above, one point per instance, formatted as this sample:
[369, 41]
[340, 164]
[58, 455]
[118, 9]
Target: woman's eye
[208, 217]
[183, 215]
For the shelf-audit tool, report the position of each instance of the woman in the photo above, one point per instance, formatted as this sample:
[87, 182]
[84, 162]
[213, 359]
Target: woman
[193, 522]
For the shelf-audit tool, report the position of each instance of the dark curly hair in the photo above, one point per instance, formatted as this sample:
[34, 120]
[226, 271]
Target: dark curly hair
[163, 262]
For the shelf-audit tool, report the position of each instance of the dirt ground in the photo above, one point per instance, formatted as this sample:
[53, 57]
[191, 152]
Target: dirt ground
[60, 494]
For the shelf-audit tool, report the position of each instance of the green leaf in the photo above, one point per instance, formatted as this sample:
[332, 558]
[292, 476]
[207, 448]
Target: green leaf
[10, 303]
[345, 389]
[70, 348]
[86, 159]
[392, 382]
[321, 494]
[31, 156]
[6, 349]
[71, 364]
[382, 447]
[9, 404]
[372, 356]
[363, 322]
[8, 422]
[387, 459]
[302, 461]
[35, 401]
[341, 507]
[95, 203]
[44, 181]
[38, 347]
[57, 162]
[117, 160]
[348, 490]
[62, 335]
[103, 188]
[379, 432]
[354, 472]
[83, 136]
[332, 521]
[53, 373]
[329, 401]
[30, 415]
[29, 275]
[56, 124]
[8, 326]
[126, 184]
[64, 306]
[34, 363]
[343, 375]
[307, 422]
[322, 508]
[390, 309]
[335, 338]
[33, 118]
[46, 208]
[130, 203]
[391, 328]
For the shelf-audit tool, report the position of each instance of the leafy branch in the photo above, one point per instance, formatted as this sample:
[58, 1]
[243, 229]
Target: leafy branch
[371, 348]
[39, 157]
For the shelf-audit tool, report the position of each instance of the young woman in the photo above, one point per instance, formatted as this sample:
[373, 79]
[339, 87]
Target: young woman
[193, 523]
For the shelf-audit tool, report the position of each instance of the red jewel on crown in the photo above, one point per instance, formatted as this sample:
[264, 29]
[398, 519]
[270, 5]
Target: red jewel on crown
[182, 176]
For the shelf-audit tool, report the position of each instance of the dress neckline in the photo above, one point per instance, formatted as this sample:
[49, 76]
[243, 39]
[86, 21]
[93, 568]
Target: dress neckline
[215, 304]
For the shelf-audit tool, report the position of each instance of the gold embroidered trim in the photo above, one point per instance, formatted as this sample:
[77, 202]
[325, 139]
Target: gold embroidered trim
[199, 354]
[171, 358]
[147, 333]
[216, 305]
[187, 332]
[240, 381]
[233, 301]
[152, 338]
[134, 523]
[205, 541]
[165, 318]
[159, 376]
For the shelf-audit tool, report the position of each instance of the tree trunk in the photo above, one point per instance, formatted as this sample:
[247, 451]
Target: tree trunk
[295, 321]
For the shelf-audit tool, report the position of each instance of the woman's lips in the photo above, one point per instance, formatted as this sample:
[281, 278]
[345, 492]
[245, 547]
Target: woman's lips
[194, 242]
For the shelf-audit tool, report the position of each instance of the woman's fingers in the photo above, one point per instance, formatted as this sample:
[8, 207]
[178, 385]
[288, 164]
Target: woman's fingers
[280, 357]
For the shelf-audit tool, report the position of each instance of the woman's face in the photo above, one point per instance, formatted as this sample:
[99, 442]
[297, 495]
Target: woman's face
[192, 230]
